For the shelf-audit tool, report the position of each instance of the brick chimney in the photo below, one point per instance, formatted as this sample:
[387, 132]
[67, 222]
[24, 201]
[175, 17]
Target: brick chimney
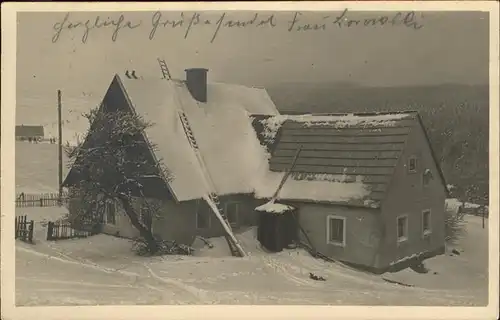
[196, 81]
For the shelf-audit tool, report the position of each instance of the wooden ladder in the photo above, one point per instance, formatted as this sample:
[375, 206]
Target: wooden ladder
[212, 198]
[164, 69]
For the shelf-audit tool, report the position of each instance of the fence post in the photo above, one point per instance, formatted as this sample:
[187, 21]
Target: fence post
[22, 228]
[50, 227]
[30, 231]
[484, 212]
[15, 226]
[25, 227]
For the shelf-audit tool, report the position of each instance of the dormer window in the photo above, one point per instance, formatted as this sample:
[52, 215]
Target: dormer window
[412, 164]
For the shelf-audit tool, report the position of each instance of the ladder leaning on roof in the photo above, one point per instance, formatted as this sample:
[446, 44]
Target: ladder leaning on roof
[211, 198]
[164, 69]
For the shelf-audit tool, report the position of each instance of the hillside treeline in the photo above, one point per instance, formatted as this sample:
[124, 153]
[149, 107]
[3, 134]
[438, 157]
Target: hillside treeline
[456, 118]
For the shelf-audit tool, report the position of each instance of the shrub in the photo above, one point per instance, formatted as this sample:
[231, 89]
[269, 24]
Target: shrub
[454, 227]
[165, 247]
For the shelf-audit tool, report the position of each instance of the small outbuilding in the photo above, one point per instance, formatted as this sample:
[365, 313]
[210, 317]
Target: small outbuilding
[277, 227]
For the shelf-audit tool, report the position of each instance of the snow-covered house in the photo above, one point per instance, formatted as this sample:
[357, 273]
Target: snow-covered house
[367, 187]
[219, 117]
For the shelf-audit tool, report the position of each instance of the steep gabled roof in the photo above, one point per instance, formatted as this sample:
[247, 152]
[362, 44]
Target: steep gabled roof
[221, 126]
[356, 153]
[247, 145]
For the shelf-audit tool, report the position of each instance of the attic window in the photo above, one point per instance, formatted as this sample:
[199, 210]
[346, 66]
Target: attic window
[412, 164]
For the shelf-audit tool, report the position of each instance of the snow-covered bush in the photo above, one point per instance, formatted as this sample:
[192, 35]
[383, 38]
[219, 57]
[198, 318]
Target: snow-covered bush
[454, 227]
[165, 247]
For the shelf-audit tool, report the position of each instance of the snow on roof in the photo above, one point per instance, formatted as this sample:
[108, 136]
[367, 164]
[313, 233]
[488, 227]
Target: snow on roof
[273, 124]
[222, 128]
[314, 189]
[154, 101]
[341, 159]
[273, 207]
[235, 159]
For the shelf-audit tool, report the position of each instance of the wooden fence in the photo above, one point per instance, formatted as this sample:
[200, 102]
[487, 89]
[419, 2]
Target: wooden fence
[24, 228]
[62, 230]
[24, 200]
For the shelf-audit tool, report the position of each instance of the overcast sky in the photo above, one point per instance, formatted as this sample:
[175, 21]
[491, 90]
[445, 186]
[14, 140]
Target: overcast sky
[450, 47]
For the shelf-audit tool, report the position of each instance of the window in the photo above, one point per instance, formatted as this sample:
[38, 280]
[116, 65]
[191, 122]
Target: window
[427, 177]
[402, 228]
[232, 211]
[335, 230]
[203, 215]
[110, 212]
[426, 222]
[412, 164]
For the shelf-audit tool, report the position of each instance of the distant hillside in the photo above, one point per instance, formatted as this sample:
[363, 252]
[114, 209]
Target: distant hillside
[456, 118]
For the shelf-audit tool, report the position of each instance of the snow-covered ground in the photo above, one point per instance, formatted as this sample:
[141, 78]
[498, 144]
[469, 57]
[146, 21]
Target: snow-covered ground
[102, 270]
[37, 167]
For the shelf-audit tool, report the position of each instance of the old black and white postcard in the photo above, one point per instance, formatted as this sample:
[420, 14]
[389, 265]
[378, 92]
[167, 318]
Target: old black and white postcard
[258, 155]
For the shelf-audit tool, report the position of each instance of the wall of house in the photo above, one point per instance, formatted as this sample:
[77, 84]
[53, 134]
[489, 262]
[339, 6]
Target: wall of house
[361, 230]
[246, 215]
[122, 226]
[73, 207]
[408, 196]
[172, 221]
[176, 221]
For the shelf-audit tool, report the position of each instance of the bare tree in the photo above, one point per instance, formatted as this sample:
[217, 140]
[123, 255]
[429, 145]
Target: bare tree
[455, 227]
[112, 164]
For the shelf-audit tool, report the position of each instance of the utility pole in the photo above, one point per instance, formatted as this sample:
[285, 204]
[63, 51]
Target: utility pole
[59, 128]
[483, 208]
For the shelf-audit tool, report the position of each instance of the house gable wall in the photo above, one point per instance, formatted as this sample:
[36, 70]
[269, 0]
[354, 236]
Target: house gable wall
[115, 100]
[408, 196]
[361, 228]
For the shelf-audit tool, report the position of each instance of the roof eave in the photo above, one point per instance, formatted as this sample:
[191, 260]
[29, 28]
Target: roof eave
[433, 155]
[326, 202]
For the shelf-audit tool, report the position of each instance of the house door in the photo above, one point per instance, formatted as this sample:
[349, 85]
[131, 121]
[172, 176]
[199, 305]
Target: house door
[232, 214]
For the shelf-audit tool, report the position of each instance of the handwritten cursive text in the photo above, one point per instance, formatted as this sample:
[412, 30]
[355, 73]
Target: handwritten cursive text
[98, 23]
[197, 19]
[187, 22]
[408, 20]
